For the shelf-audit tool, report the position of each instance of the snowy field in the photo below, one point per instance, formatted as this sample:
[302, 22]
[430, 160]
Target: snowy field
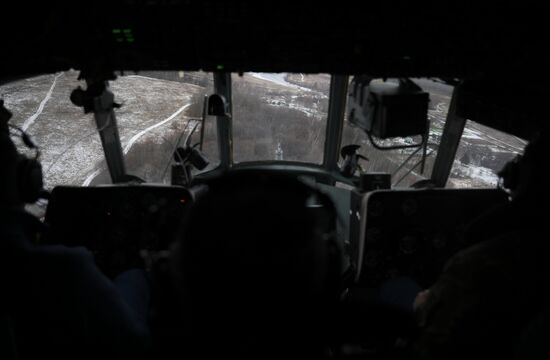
[154, 113]
[71, 152]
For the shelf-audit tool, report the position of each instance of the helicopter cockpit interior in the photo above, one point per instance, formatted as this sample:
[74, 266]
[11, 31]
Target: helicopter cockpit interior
[402, 117]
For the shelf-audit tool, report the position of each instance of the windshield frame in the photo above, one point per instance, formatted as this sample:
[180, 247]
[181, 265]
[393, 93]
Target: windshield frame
[327, 171]
[223, 85]
[333, 140]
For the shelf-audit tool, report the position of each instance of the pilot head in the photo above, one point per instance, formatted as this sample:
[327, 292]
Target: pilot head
[254, 270]
[524, 176]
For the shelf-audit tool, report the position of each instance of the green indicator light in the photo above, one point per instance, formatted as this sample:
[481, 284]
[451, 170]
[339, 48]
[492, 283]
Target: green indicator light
[116, 31]
[127, 31]
[130, 40]
[219, 67]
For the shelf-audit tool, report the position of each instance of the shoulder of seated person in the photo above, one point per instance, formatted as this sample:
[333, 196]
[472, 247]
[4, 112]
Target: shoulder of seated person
[498, 250]
[78, 255]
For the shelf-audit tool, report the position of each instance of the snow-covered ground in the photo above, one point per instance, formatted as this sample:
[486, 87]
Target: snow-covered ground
[292, 104]
[476, 174]
[68, 139]
[278, 79]
[155, 111]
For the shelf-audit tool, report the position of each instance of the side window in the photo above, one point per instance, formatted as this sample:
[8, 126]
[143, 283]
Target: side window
[482, 153]
[68, 139]
[405, 164]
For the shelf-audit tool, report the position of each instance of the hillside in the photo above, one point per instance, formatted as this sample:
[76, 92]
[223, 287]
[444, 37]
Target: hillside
[275, 116]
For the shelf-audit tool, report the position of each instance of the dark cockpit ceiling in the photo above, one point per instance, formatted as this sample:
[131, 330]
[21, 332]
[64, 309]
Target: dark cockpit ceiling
[500, 47]
[310, 37]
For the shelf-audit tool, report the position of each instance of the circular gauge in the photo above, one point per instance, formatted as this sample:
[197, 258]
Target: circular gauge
[375, 208]
[439, 241]
[407, 245]
[371, 259]
[373, 235]
[409, 207]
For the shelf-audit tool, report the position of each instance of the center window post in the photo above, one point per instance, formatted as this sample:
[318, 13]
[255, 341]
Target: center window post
[222, 86]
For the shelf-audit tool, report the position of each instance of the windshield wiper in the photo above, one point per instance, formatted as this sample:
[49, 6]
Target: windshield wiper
[414, 166]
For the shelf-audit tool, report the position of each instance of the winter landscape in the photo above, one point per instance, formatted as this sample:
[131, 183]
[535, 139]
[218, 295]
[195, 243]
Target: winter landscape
[275, 117]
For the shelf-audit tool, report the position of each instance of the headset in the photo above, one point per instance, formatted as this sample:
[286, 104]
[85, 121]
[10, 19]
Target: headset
[509, 176]
[28, 170]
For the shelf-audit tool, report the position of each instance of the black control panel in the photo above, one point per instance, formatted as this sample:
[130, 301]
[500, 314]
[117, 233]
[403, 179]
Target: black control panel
[116, 222]
[414, 232]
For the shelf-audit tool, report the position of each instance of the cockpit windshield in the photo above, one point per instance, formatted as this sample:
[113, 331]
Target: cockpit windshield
[279, 117]
[157, 112]
[409, 165]
[275, 118]
[67, 138]
[162, 108]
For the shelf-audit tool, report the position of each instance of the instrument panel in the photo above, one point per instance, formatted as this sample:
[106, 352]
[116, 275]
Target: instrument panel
[116, 222]
[413, 233]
